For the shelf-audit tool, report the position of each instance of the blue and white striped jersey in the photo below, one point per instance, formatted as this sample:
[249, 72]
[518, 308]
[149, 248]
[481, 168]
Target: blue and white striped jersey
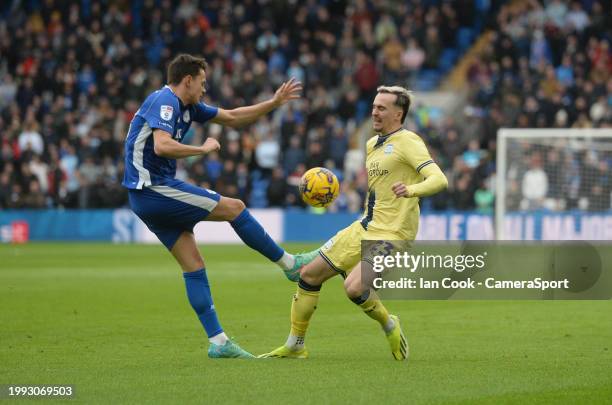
[163, 110]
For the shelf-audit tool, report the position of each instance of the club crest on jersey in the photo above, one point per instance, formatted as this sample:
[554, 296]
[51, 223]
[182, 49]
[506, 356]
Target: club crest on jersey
[388, 149]
[165, 112]
[186, 116]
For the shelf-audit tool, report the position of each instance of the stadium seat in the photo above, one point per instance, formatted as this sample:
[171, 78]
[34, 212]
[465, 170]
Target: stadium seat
[427, 80]
[465, 37]
[448, 59]
[258, 198]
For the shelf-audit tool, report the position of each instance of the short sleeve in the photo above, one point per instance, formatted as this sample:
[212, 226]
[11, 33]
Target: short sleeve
[162, 113]
[204, 112]
[416, 153]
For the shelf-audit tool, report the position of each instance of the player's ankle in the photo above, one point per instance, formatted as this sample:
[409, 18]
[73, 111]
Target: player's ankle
[219, 339]
[295, 343]
[286, 262]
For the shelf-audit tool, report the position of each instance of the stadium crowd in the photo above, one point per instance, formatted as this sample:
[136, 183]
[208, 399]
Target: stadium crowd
[72, 75]
[548, 66]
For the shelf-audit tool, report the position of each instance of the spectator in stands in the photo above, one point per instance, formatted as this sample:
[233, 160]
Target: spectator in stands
[315, 155]
[337, 145]
[484, 198]
[433, 47]
[412, 59]
[267, 153]
[16, 197]
[601, 188]
[556, 12]
[213, 168]
[5, 189]
[277, 189]
[554, 173]
[565, 72]
[577, 19]
[293, 155]
[88, 175]
[349, 199]
[34, 198]
[534, 184]
[30, 139]
[392, 55]
[69, 165]
[513, 195]
[472, 155]
[8, 90]
[40, 170]
[293, 180]
[540, 54]
[243, 183]
[462, 194]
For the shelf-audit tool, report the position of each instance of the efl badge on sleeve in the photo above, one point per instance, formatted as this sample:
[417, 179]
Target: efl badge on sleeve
[166, 112]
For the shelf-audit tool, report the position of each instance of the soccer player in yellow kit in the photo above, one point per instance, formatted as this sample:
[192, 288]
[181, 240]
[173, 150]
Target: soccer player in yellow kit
[400, 170]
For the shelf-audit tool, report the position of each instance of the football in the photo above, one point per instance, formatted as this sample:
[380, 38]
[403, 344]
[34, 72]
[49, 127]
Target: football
[319, 187]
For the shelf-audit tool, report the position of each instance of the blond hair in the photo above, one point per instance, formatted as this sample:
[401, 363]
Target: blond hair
[403, 97]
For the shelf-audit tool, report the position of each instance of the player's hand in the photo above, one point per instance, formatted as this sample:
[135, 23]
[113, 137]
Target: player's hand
[210, 145]
[288, 91]
[401, 190]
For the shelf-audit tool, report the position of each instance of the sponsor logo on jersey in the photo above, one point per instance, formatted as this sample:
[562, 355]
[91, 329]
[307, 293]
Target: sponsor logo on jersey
[375, 170]
[165, 112]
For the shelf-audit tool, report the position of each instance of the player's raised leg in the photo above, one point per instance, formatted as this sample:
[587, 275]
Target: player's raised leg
[198, 292]
[360, 292]
[303, 306]
[253, 235]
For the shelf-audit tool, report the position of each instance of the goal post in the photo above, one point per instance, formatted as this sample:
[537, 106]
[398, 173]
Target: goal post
[551, 171]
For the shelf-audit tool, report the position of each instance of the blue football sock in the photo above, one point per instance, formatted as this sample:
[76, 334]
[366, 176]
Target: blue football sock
[253, 234]
[198, 293]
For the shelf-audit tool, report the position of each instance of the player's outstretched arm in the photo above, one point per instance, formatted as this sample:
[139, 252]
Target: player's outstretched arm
[435, 181]
[241, 116]
[166, 147]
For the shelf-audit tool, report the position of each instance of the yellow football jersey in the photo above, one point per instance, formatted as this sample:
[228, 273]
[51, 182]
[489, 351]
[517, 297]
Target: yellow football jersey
[395, 157]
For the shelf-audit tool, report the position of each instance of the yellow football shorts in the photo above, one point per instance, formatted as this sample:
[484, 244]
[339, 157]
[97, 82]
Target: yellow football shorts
[343, 251]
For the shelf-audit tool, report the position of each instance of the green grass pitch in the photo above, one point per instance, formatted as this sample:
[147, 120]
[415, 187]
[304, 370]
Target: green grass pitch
[113, 321]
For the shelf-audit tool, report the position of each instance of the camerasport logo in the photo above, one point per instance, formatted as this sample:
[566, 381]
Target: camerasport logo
[15, 232]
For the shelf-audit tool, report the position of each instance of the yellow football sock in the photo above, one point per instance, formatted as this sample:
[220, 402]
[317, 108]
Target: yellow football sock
[375, 309]
[303, 306]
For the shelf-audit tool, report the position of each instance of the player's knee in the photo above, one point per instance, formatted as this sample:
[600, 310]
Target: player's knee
[228, 209]
[352, 288]
[190, 264]
[235, 208]
[240, 206]
[310, 276]
[198, 263]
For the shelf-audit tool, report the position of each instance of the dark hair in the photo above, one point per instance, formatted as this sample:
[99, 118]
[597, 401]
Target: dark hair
[402, 99]
[184, 65]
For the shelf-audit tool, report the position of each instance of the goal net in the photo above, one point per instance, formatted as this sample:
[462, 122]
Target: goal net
[554, 184]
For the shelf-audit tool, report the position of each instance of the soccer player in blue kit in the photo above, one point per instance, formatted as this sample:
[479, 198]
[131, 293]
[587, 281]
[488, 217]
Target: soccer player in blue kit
[171, 208]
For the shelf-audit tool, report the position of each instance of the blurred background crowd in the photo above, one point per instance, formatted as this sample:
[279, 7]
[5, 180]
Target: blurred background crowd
[73, 73]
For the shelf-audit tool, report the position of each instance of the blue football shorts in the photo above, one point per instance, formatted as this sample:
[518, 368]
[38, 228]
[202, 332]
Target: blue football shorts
[173, 208]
